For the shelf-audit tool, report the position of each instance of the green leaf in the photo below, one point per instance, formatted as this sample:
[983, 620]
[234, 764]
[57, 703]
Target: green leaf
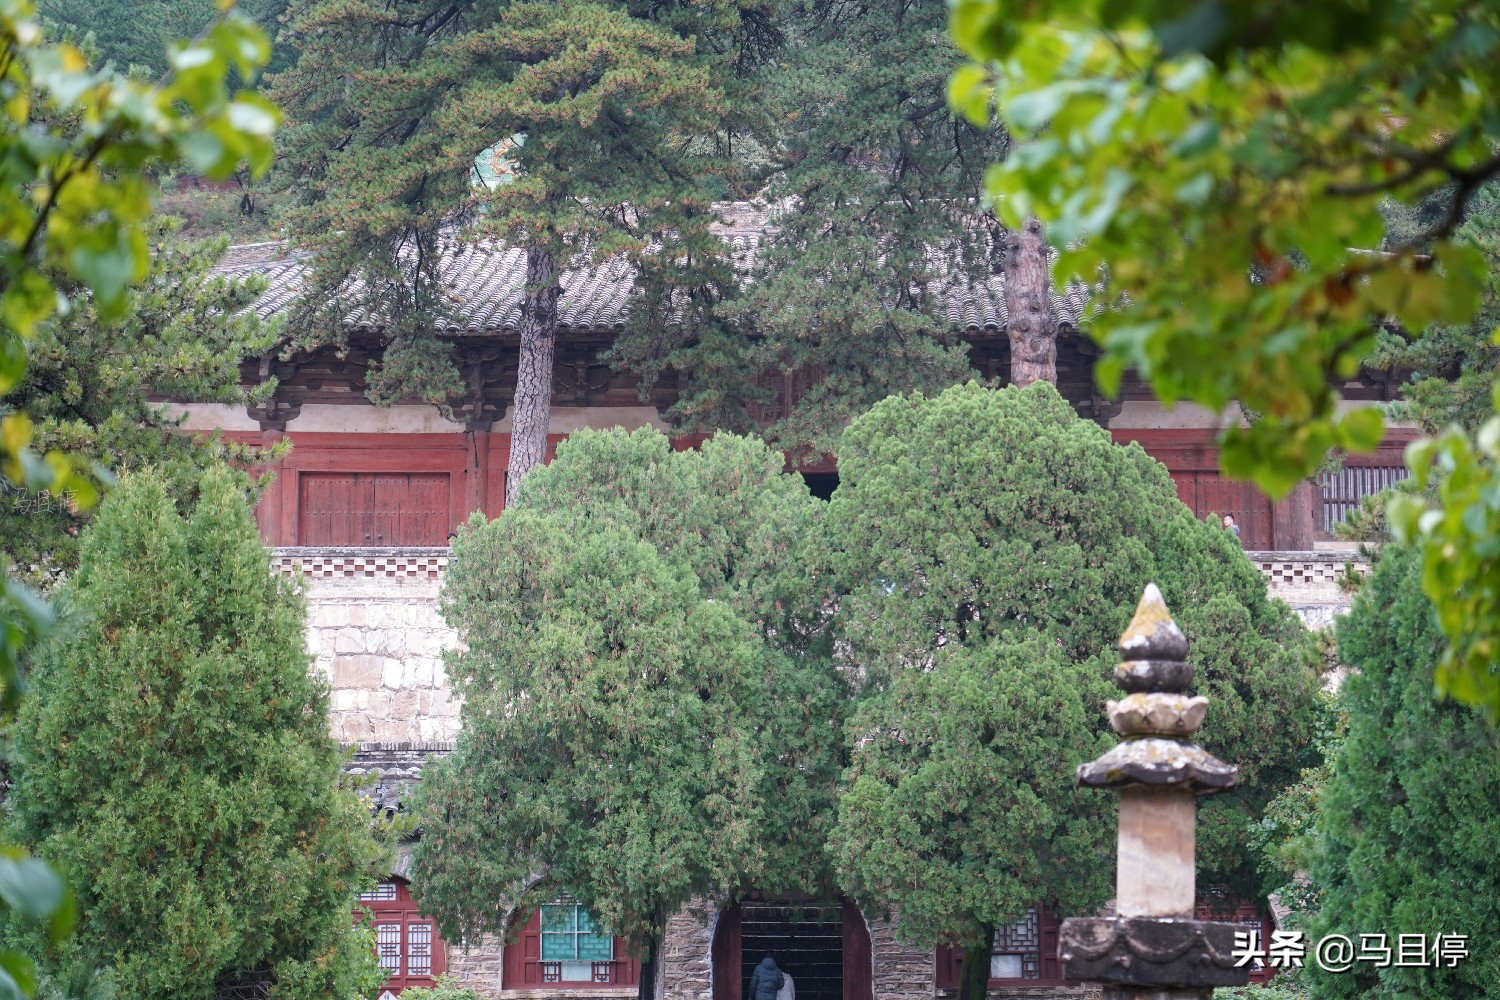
[10, 986]
[1403, 512]
[20, 969]
[1362, 429]
[29, 886]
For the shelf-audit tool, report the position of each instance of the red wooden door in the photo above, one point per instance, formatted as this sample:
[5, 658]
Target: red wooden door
[1209, 493]
[858, 971]
[424, 511]
[377, 509]
[725, 955]
[407, 944]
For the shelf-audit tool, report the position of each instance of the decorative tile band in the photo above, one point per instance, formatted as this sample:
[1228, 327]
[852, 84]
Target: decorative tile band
[1304, 570]
[413, 563]
[1282, 570]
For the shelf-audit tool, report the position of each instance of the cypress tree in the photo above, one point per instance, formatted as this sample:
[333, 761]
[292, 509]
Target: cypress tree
[1408, 826]
[175, 763]
[989, 549]
[651, 708]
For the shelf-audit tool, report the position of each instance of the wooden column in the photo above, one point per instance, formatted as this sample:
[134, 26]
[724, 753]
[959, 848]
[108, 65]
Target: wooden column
[725, 954]
[268, 510]
[476, 467]
[858, 970]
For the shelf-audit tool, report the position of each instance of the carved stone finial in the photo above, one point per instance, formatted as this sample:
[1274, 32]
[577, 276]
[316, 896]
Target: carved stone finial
[1153, 649]
[1156, 715]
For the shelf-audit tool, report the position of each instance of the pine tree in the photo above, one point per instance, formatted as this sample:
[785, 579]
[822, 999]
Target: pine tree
[989, 549]
[651, 709]
[89, 383]
[1450, 367]
[1407, 822]
[136, 33]
[614, 116]
[874, 187]
[175, 763]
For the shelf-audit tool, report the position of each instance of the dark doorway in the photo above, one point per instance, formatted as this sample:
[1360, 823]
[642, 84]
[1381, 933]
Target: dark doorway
[821, 485]
[806, 941]
[825, 949]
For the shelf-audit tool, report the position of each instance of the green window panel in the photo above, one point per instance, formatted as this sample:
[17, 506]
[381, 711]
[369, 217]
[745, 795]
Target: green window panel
[569, 934]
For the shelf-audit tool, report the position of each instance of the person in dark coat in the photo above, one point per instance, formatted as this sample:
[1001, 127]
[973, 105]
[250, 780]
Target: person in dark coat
[765, 981]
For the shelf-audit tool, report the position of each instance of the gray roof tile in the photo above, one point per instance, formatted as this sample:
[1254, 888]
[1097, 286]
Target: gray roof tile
[485, 281]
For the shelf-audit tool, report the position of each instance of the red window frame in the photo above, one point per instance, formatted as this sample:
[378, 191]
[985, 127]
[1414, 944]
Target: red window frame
[522, 965]
[401, 912]
[950, 959]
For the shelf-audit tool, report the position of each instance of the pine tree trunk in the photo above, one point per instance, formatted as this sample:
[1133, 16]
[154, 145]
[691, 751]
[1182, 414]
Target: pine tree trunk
[1028, 303]
[533, 401]
[974, 974]
[650, 970]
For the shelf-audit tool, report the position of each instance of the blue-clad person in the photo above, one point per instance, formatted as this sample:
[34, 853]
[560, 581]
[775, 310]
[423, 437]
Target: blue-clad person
[765, 981]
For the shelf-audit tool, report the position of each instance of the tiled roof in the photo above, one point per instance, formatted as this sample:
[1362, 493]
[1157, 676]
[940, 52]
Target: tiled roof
[485, 282]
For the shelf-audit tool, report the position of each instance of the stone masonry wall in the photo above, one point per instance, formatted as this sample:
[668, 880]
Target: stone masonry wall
[376, 634]
[901, 973]
[478, 966]
[1310, 581]
[380, 641]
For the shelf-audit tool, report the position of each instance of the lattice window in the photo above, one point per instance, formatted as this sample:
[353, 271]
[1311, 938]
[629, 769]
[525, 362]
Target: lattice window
[385, 892]
[1018, 949]
[419, 949]
[573, 943]
[388, 947]
[1343, 490]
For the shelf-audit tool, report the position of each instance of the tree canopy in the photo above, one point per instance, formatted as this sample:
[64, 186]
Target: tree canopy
[131, 34]
[874, 186]
[989, 548]
[175, 763]
[1407, 822]
[1227, 165]
[1450, 367]
[73, 199]
[651, 709]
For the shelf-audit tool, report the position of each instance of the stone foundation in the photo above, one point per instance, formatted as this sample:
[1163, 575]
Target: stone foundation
[1310, 581]
[478, 965]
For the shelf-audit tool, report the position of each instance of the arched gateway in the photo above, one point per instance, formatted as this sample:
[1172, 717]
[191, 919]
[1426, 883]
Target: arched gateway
[825, 948]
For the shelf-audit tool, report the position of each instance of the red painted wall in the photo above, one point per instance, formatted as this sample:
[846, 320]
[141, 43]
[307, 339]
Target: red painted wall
[411, 469]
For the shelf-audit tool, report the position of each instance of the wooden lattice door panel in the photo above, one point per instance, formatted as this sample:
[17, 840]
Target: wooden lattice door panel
[407, 945]
[376, 509]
